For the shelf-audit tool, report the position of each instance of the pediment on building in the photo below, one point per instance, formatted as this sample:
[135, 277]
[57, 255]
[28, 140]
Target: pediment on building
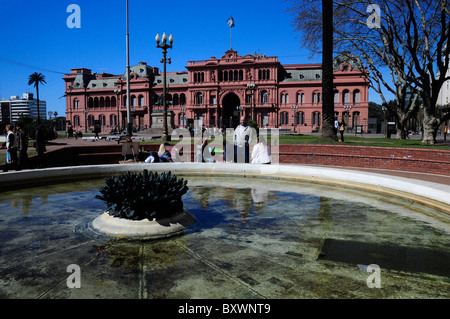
[231, 54]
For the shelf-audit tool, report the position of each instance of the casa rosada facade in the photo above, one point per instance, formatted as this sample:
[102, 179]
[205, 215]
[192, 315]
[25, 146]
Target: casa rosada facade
[217, 92]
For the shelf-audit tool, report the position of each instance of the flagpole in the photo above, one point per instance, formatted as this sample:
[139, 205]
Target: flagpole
[231, 38]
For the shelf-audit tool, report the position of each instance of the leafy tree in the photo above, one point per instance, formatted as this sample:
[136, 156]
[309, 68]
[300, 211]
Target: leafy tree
[403, 43]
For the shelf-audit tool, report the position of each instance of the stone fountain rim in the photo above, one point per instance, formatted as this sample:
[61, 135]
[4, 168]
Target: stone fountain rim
[425, 193]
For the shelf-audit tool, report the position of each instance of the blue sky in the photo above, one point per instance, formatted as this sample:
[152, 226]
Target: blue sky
[34, 37]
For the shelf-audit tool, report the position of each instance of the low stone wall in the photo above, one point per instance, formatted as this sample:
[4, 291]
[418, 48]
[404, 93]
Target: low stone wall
[433, 161]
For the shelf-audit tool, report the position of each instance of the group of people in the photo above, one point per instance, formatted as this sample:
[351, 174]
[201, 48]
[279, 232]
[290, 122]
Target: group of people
[16, 145]
[240, 149]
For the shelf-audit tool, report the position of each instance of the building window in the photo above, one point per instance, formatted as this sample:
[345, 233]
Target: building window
[176, 100]
[248, 99]
[284, 118]
[336, 97]
[102, 120]
[91, 120]
[113, 120]
[182, 99]
[356, 96]
[314, 98]
[107, 102]
[141, 100]
[76, 121]
[113, 102]
[213, 100]
[198, 99]
[264, 97]
[316, 118]
[299, 118]
[76, 104]
[356, 119]
[345, 97]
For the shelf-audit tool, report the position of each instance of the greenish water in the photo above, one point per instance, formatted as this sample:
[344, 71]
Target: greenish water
[252, 239]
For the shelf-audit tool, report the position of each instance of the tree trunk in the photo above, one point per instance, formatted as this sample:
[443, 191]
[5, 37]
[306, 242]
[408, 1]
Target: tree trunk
[37, 98]
[430, 127]
[328, 130]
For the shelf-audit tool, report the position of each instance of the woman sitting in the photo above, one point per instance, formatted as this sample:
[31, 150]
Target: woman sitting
[261, 152]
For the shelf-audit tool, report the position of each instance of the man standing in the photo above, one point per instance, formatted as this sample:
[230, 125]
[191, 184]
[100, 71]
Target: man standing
[243, 136]
[22, 147]
[11, 147]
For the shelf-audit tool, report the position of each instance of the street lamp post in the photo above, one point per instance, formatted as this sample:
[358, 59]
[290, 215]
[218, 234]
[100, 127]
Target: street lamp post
[251, 88]
[164, 46]
[183, 114]
[295, 108]
[129, 123]
[85, 120]
[348, 107]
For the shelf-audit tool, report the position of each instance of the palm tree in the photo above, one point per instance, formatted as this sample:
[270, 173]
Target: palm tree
[36, 79]
[328, 130]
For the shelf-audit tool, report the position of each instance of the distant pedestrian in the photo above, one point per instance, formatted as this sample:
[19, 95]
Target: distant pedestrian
[22, 147]
[342, 126]
[40, 146]
[11, 149]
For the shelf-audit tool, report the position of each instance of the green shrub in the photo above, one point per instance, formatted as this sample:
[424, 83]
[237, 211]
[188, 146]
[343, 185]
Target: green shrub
[144, 195]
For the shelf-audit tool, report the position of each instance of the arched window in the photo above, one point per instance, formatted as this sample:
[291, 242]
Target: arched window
[175, 99]
[133, 100]
[230, 75]
[182, 99]
[314, 97]
[141, 100]
[345, 97]
[107, 102]
[91, 102]
[336, 97]
[319, 98]
[102, 101]
[225, 76]
[241, 75]
[356, 96]
[113, 101]
[76, 104]
[96, 102]
[264, 97]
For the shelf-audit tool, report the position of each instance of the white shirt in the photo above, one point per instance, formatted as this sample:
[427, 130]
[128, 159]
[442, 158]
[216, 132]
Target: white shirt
[260, 154]
[240, 133]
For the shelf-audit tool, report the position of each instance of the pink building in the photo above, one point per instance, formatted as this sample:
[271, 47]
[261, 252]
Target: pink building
[218, 91]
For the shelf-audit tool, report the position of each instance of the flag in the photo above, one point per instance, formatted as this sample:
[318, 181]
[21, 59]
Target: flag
[230, 22]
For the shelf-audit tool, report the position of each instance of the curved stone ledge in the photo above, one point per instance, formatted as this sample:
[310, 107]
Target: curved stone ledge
[419, 191]
[122, 228]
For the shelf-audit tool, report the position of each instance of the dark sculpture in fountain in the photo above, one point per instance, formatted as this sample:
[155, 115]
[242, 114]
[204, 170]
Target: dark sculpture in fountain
[143, 196]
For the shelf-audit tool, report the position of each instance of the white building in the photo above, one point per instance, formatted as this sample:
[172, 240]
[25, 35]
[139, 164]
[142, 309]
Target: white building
[12, 109]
